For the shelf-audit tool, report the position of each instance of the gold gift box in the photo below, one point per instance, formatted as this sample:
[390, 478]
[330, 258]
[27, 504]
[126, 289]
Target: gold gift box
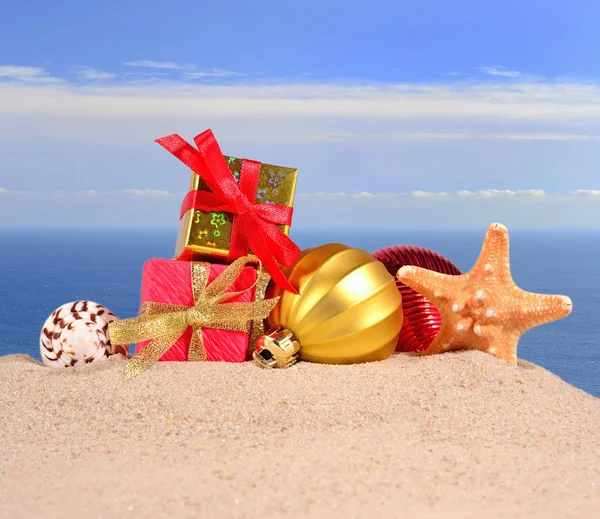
[207, 235]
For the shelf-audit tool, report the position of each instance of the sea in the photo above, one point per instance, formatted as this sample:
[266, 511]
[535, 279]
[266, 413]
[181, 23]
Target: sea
[43, 269]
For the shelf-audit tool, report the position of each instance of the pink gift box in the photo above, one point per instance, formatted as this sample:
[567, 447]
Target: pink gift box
[170, 282]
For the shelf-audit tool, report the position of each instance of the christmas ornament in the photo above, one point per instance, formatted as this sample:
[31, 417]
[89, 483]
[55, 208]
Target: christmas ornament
[348, 310]
[422, 320]
[77, 333]
[484, 309]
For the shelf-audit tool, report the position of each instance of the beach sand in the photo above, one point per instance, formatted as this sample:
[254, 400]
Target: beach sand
[453, 435]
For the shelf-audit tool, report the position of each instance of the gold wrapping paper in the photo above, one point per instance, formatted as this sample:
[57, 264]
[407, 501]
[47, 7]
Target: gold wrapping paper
[207, 235]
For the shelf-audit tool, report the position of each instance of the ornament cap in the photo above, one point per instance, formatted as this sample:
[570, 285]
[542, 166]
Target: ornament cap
[278, 348]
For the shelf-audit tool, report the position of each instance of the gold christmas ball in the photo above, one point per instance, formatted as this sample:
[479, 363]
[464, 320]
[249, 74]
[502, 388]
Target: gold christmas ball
[348, 310]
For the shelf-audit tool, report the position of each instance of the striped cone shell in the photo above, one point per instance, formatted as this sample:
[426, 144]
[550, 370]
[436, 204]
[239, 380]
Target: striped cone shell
[77, 333]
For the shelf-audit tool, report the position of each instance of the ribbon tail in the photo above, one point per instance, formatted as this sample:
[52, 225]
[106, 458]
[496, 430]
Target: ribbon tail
[217, 289]
[268, 252]
[279, 277]
[141, 361]
[262, 250]
[197, 351]
[155, 320]
[257, 326]
[286, 252]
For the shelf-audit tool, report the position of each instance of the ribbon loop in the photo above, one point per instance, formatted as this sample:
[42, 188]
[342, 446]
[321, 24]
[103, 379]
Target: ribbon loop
[254, 226]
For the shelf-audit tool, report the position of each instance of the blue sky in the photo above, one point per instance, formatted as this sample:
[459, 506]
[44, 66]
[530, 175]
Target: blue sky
[398, 114]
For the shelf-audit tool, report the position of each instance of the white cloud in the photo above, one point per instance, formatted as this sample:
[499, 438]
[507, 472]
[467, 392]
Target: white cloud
[361, 194]
[12, 71]
[26, 74]
[497, 71]
[366, 194]
[212, 74]
[531, 192]
[392, 102]
[321, 194]
[126, 208]
[428, 194]
[147, 192]
[484, 193]
[528, 136]
[92, 73]
[449, 135]
[127, 192]
[146, 63]
[494, 193]
[489, 193]
[137, 75]
[586, 192]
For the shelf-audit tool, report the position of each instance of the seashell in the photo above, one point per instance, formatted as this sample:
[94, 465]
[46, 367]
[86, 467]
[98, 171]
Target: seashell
[422, 320]
[77, 333]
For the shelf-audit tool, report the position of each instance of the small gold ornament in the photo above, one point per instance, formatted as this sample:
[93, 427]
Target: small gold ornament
[277, 349]
[348, 311]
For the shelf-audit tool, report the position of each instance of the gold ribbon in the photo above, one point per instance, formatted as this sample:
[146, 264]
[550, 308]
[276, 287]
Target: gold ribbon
[163, 323]
[257, 327]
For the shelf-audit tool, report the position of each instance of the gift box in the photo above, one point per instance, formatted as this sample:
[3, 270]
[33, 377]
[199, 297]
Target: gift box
[207, 234]
[170, 282]
[234, 207]
[192, 311]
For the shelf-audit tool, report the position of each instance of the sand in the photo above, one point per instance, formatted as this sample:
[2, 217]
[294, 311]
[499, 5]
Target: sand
[453, 435]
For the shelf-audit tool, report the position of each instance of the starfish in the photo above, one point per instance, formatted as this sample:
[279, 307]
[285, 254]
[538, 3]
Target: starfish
[484, 309]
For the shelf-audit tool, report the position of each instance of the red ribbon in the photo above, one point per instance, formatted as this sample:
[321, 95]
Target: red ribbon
[254, 225]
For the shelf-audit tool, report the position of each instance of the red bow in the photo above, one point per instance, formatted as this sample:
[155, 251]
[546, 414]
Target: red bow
[254, 225]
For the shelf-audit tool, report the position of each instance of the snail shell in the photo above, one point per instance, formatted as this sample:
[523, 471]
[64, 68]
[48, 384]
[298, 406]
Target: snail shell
[77, 333]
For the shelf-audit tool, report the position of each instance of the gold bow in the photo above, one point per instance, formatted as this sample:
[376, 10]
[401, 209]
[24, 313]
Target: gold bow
[163, 323]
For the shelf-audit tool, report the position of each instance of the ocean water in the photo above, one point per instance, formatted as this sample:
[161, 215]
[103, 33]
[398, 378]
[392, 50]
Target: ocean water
[40, 270]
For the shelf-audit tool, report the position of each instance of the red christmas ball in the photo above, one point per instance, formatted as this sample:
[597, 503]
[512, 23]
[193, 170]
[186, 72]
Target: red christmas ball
[422, 320]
